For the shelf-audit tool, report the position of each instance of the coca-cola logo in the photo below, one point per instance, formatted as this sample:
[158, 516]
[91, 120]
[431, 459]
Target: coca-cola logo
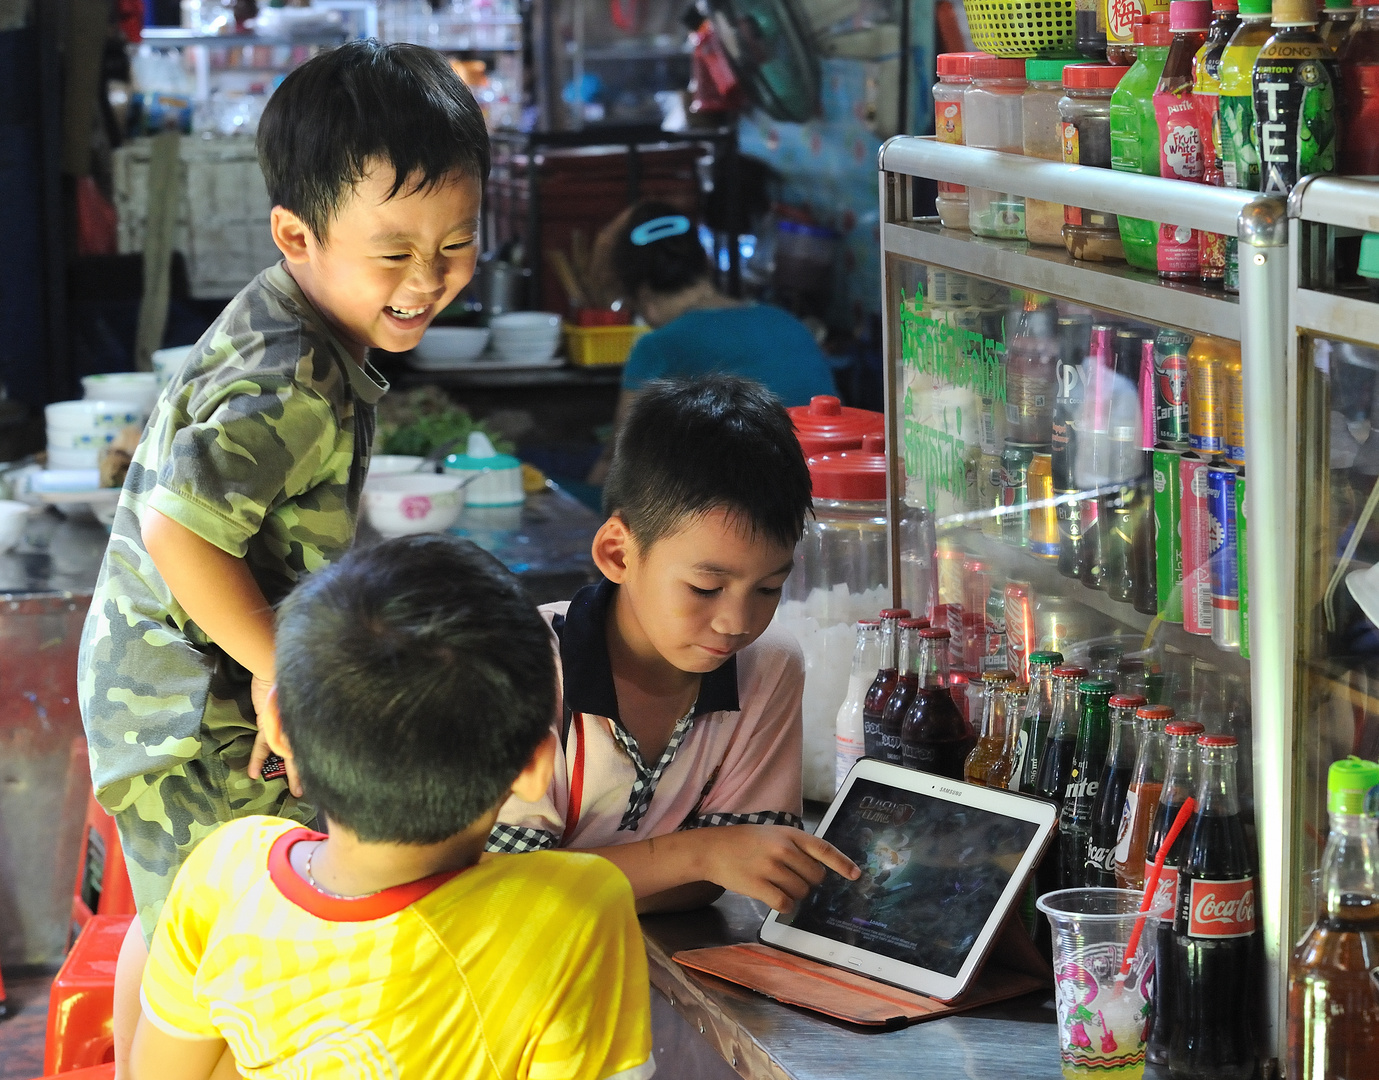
[1222, 908]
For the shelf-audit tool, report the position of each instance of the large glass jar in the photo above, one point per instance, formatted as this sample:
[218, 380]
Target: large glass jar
[1040, 130]
[1085, 114]
[992, 121]
[954, 72]
[842, 574]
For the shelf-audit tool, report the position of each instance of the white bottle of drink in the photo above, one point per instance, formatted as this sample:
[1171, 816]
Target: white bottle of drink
[866, 660]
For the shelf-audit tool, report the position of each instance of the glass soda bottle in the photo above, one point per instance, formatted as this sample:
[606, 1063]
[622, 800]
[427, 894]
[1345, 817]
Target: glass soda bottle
[1109, 805]
[1206, 91]
[991, 737]
[1005, 769]
[1079, 794]
[1295, 83]
[1035, 720]
[903, 693]
[1056, 761]
[1358, 58]
[1180, 783]
[1142, 797]
[849, 742]
[1135, 132]
[1180, 139]
[1333, 1008]
[935, 737]
[883, 683]
[1235, 106]
[1215, 932]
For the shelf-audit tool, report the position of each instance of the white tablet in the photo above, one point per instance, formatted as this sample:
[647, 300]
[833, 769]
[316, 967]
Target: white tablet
[943, 863]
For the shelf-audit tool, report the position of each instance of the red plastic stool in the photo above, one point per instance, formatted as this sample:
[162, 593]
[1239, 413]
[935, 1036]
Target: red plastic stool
[82, 998]
[102, 885]
[96, 1072]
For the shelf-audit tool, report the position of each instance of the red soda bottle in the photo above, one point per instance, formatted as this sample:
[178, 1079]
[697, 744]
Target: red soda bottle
[1215, 933]
[935, 738]
[898, 704]
[875, 702]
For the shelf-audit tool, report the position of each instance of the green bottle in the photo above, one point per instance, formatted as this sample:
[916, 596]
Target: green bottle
[1239, 150]
[1135, 133]
[1295, 81]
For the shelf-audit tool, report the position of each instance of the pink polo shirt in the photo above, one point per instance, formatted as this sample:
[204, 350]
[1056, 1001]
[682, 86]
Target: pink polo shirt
[735, 759]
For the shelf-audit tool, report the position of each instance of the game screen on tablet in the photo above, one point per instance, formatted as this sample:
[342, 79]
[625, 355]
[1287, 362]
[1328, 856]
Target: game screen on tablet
[932, 871]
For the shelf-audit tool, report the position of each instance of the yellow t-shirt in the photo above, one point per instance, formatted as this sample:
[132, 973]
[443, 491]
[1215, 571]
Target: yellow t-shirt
[526, 966]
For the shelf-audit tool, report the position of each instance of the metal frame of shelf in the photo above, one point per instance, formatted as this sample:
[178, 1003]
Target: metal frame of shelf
[1258, 319]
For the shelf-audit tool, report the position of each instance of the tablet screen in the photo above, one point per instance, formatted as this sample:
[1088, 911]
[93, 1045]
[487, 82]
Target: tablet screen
[932, 872]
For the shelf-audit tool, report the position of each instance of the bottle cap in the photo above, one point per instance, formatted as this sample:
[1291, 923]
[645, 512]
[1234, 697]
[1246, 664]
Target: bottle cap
[935, 633]
[913, 624]
[997, 67]
[1017, 688]
[1002, 676]
[956, 65]
[1189, 15]
[1225, 5]
[1348, 782]
[1157, 33]
[895, 613]
[826, 425]
[1216, 742]
[1295, 12]
[868, 622]
[851, 475]
[957, 678]
[1369, 244]
[1155, 712]
[1184, 727]
[1054, 658]
[1038, 69]
[1338, 5]
[1127, 701]
[1070, 671]
[1094, 76]
[1097, 686]
[1256, 7]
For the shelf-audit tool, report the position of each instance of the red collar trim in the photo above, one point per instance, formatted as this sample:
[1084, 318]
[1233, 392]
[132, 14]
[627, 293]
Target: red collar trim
[339, 908]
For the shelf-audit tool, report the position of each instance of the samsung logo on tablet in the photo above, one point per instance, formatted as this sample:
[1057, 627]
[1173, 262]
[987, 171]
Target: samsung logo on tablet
[949, 791]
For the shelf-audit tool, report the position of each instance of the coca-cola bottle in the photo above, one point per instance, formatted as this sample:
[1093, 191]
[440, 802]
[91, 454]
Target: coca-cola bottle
[1180, 784]
[1215, 933]
[1035, 721]
[1333, 1010]
[1142, 797]
[903, 693]
[1079, 796]
[883, 684]
[991, 736]
[1107, 810]
[935, 737]
[1004, 772]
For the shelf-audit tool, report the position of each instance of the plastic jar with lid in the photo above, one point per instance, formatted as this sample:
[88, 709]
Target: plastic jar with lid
[1085, 115]
[1040, 131]
[954, 77]
[992, 121]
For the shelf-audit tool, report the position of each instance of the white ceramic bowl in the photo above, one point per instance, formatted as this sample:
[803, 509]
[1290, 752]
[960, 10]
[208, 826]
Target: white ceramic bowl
[526, 336]
[412, 503]
[167, 361]
[442, 346]
[392, 464]
[14, 516]
[524, 320]
[93, 414]
[78, 439]
[139, 388]
[68, 457]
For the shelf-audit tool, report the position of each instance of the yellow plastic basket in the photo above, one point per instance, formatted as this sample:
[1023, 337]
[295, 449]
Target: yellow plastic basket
[601, 346]
[1022, 27]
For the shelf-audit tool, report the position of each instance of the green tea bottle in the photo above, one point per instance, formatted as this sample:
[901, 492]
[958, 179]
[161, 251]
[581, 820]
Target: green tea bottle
[1295, 81]
[1236, 113]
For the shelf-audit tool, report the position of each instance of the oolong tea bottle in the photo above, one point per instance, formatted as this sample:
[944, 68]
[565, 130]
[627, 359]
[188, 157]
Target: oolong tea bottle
[1295, 81]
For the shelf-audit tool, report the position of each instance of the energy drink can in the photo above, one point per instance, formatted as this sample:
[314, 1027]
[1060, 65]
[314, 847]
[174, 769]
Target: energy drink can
[1043, 514]
[1235, 411]
[1015, 492]
[1207, 393]
[1196, 527]
[1170, 389]
[1242, 563]
[1168, 541]
[1222, 558]
[1020, 629]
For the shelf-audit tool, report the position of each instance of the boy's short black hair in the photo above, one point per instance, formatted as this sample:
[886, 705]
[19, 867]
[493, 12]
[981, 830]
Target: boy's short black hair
[689, 446]
[415, 678]
[668, 265]
[364, 101]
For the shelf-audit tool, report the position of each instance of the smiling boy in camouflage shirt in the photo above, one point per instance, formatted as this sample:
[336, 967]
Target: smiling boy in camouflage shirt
[249, 473]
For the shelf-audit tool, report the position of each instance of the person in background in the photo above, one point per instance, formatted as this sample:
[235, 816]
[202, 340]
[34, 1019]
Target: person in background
[679, 743]
[664, 273]
[415, 689]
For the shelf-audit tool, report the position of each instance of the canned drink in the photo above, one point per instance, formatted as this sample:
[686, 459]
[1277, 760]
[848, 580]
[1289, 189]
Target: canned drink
[1020, 629]
[1207, 392]
[1058, 624]
[1235, 411]
[1242, 563]
[1043, 514]
[955, 622]
[1168, 540]
[1170, 389]
[991, 424]
[949, 574]
[1099, 378]
[994, 653]
[1222, 557]
[991, 493]
[1196, 526]
[1015, 521]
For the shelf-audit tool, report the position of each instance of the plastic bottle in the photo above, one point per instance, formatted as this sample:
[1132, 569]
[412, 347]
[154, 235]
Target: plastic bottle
[1337, 17]
[1089, 28]
[1080, 792]
[1142, 797]
[1239, 148]
[1005, 770]
[1135, 133]
[1206, 90]
[992, 121]
[1121, 17]
[1358, 57]
[1099, 871]
[1085, 126]
[1333, 1009]
[954, 72]
[1041, 137]
[866, 660]
[1295, 82]
[903, 693]
[881, 686]
[1035, 721]
[935, 738]
[1180, 139]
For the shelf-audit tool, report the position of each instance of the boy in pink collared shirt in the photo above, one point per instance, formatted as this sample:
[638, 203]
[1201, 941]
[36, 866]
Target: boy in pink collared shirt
[679, 744]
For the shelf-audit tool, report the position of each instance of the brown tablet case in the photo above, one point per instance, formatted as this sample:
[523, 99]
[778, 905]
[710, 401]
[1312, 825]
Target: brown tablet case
[1012, 967]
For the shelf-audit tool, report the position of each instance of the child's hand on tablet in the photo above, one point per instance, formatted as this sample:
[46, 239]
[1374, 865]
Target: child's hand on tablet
[775, 864]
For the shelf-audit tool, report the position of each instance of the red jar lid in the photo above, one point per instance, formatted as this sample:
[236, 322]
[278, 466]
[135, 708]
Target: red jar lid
[1127, 701]
[997, 67]
[957, 64]
[1213, 741]
[1094, 76]
[826, 424]
[857, 475]
[1184, 727]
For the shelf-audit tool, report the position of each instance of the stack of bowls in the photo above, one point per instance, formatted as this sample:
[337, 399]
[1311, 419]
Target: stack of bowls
[136, 387]
[525, 337]
[77, 430]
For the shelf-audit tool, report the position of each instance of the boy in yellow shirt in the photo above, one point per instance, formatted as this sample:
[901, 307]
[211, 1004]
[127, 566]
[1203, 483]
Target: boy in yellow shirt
[415, 690]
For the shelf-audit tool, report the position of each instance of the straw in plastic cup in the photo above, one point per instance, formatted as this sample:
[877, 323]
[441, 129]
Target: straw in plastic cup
[1102, 1020]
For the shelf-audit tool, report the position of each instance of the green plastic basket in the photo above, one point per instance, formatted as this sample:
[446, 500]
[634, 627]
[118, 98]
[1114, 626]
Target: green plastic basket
[1022, 27]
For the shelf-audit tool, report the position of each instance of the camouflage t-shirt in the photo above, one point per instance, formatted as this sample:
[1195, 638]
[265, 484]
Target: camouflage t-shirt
[259, 445]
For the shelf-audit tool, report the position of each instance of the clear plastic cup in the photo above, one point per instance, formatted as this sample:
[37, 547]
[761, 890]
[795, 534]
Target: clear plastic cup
[1102, 1020]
